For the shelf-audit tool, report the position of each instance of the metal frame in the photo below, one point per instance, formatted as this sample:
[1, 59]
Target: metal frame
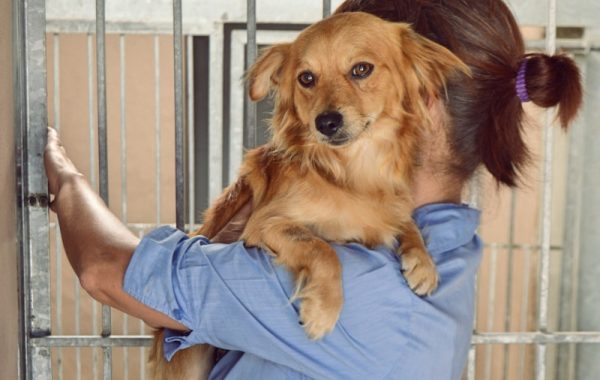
[31, 28]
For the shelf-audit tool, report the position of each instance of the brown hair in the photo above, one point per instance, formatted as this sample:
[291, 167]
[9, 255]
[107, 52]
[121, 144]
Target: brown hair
[486, 114]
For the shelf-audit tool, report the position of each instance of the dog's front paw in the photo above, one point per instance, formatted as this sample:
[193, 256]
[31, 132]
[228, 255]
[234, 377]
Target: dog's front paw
[419, 270]
[321, 307]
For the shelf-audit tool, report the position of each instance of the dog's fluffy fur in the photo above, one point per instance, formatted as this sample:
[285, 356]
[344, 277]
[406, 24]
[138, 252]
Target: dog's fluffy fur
[309, 189]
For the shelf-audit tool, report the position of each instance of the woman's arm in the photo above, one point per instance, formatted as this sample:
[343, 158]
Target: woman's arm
[98, 246]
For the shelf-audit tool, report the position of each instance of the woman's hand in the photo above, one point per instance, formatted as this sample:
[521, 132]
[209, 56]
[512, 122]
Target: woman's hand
[59, 168]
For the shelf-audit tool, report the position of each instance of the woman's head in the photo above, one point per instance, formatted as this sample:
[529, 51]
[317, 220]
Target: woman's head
[486, 115]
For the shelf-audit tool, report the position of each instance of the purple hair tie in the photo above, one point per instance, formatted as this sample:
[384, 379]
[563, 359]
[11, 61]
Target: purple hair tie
[521, 84]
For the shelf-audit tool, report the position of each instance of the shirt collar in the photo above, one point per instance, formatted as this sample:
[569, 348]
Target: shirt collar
[446, 226]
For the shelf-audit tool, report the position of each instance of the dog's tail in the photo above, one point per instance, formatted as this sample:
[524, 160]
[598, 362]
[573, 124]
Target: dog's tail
[194, 362]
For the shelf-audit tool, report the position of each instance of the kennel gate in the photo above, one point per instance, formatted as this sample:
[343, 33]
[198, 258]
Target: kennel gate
[37, 338]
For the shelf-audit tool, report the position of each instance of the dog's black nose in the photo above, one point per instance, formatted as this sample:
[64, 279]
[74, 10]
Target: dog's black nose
[328, 123]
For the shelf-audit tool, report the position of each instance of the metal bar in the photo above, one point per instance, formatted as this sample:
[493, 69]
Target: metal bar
[92, 138]
[57, 239]
[525, 306]
[546, 208]
[191, 125]
[101, 98]
[103, 153]
[92, 341]
[31, 121]
[157, 122]
[491, 309]
[59, 326]
[56, 80]
[538, 337]
[125, 350]
[77, 296]
[251, 53]
[522, 246]
[123, 130]
[142, 332]
[215, 124]
[475, 184]
[92, 169]
[508, 297]
[472, 359]
[326, 8]
[178, 72]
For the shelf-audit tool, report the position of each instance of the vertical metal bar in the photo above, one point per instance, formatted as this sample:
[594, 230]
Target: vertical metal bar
[326, 8]
[92, 139]
[179, 169]
[475, 189]
[101, 98]
[251, 52]
[59, 327]
[123, 130]
[491, 308]
[546, 207]
[471, 363]
[157, 122]
[56, 79]
[57, 239]
[215, 125]
[508, 298]
[103, 154]
[191, 125]
[77, 296]
[31, 122]
[524, 308]
[92, 168]
[142, 331]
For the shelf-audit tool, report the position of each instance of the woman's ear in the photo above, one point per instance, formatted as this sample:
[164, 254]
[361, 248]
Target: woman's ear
[264, 73]
[425, 63]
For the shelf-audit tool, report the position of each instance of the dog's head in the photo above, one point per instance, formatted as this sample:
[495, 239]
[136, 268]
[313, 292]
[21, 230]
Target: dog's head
[343, 75]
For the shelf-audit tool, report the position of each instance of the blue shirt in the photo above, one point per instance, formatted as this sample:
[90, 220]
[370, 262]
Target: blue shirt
[237, 299]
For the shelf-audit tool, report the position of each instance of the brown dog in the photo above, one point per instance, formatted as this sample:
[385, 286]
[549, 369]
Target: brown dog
[351, 96]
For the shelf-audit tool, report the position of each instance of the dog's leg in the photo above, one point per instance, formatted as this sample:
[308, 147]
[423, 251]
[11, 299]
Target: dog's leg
[314, 264]
[417, 266]
[194, 363]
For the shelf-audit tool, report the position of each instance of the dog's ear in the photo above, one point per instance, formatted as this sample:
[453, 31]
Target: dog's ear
[265, 72]
[424, 63]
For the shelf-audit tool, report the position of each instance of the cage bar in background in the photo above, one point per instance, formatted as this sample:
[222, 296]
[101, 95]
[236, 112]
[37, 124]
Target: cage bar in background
[178, 72]
[250, 132]
[541, 349]
[191, 175]
[30, 137]
[102, 156]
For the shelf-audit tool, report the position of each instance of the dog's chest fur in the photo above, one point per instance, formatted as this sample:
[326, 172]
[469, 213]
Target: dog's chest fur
[355, 194]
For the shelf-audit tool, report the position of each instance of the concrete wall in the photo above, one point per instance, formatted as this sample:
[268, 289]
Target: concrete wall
[8, 238]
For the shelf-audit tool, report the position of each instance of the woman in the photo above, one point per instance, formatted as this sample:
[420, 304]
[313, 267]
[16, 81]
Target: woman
[236, 299]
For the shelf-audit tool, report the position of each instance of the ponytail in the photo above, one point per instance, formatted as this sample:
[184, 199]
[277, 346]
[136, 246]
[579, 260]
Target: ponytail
[554, 81]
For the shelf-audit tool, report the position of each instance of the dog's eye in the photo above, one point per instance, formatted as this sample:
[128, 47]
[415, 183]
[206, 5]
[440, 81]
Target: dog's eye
[362, 70]
[306, 79]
